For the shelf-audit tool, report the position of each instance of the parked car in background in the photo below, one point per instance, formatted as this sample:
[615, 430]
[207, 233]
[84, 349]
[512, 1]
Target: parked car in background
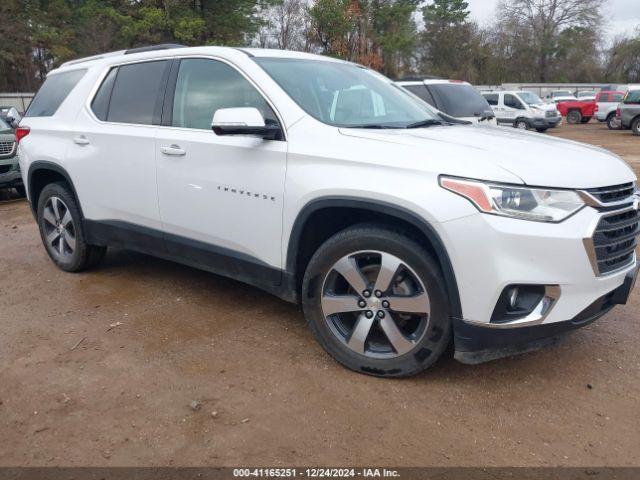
[522, 109]
[577, 111]
[9, 167]
[587, 95]
[629, 111]
[560, 96]
[10, 115]
[453, 97]
[606, 106]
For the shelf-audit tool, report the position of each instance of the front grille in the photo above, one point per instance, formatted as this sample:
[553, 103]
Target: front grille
[615, 239]
[551, 113]
[616, 193]
[6, 148]
[4, 168]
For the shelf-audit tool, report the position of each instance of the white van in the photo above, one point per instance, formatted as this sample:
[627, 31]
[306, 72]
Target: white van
[523, 110]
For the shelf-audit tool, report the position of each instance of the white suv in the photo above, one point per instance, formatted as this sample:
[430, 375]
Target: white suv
[324, 183]
[523, 110]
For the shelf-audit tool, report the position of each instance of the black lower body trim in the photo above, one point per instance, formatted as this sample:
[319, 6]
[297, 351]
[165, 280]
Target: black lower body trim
[189, 252]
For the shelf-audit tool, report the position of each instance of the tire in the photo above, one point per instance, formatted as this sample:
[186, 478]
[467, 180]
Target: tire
[612, 122]
[521, 124]
[62, 232]
[635, 126]
[585, 120]
[541, 130]
[574, 117]
[390, 344]
[22, 192]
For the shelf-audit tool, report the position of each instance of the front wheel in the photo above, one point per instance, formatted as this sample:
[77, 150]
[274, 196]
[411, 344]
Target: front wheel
[574, 117]
[522, 124]
[375, 300]
[635, 126]
[62, 232]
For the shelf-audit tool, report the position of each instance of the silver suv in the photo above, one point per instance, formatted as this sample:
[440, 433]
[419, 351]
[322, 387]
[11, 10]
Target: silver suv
[9, 168]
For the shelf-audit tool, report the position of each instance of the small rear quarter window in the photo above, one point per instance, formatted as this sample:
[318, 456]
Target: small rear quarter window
[53, 92]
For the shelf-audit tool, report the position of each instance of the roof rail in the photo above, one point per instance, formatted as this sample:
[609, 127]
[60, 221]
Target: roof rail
[152, 48]
[93, 57]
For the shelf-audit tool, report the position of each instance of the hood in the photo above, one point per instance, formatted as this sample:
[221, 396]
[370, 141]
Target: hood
[545, 106]
[537, 159]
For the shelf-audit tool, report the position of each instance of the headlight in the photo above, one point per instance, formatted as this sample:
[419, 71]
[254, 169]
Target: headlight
[536, 204]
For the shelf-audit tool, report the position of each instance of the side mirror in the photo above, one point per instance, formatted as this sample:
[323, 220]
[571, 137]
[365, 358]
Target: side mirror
[243, 121]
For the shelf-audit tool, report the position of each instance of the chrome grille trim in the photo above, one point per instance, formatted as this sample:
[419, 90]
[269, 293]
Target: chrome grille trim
[611, 196]
[7, 149]
[611, 247]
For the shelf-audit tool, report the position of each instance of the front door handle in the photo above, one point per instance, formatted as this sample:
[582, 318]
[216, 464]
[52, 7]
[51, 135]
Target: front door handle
[173, 150]
[81, 140]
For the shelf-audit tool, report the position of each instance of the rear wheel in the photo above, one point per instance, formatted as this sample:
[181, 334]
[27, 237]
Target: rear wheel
[635, 126]
[522, 124]
[613, 123]
[574, 117]
[375, 300]
[62, 232]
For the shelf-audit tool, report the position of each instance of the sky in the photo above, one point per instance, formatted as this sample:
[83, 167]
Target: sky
[622, 15]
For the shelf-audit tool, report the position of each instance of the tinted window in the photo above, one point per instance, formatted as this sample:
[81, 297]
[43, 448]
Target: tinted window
[421, 92]
[617, 97]
[459, 100]
[512, 101]
[633, 97]
[3, 125]
[492, 98]
[53, 92]
[137, 92]
[100, 104]
[204, 86]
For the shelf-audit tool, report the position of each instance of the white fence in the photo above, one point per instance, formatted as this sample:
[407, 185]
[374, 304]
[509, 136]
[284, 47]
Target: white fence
[19, 100]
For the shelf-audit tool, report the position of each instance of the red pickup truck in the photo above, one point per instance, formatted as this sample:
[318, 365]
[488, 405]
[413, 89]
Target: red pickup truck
[577, 111]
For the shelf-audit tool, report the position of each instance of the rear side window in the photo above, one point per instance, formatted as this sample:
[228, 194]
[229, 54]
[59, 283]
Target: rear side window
[633, 97]
[137, 93]
[53, 92]
[460, 100]
[100, 104]
[421, 92]
[492, 98]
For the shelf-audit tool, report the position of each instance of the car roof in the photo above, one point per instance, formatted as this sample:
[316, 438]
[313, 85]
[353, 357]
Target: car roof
[178, 50]
[433, 81]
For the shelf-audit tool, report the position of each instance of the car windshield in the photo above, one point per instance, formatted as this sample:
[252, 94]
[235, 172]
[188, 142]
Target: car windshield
[563, 93]
[530, 98]
[347, 95]
[461, 100]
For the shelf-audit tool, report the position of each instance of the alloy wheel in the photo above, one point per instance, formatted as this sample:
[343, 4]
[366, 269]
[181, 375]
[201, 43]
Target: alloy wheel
[59, 229]
[522, 125]
[375, 304]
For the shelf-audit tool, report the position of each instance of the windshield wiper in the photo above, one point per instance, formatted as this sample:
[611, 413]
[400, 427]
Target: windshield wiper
[425, 123]
[375, 126]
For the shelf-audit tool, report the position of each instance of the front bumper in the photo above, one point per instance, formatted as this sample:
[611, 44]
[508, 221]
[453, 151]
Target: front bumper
[546, 122]
[490, 253]
[477, 344]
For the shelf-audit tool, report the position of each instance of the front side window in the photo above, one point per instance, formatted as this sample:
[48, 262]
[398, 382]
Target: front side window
[137, 93]
[346, 95]
[204, 86]
[460, 100]
[53, 92]
[633, 97]
[512, 102]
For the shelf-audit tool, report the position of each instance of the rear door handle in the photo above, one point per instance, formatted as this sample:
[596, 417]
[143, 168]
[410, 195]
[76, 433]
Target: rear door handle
[173, 150]
[81, 140]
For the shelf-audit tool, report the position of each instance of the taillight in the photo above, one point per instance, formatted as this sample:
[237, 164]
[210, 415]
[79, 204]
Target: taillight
[22, 132]
[596, 109]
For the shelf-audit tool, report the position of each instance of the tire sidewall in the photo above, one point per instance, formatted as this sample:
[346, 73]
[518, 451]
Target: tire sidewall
[438, 334]
[635, 126]
[523, 121]
[58, 190]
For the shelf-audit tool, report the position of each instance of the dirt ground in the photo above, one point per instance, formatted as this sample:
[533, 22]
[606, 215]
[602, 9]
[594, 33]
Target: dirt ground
[101, 369]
